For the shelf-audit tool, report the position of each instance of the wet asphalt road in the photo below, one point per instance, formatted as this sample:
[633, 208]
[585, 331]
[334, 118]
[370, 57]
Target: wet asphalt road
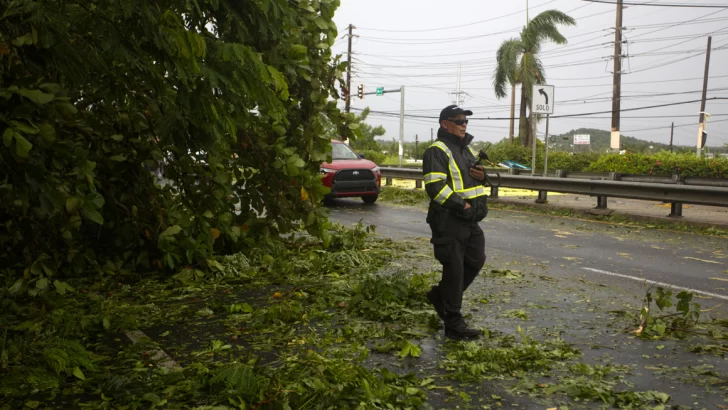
[598, 252]
[565, 285]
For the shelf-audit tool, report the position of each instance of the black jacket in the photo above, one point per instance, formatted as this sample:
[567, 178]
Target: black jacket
[436, 162]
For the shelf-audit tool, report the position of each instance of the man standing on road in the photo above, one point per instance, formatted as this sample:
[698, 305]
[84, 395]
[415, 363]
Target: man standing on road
[458, 202]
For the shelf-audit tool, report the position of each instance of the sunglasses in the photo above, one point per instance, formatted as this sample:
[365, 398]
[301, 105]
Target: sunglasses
[459, 122]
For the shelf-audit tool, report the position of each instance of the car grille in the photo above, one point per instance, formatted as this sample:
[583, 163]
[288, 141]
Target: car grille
[354, 175]
[356, 189]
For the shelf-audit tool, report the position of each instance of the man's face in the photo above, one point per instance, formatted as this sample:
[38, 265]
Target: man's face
[452, 126]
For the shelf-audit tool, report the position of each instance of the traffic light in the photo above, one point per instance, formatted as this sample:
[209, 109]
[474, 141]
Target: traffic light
[344, 92]
[361, 91]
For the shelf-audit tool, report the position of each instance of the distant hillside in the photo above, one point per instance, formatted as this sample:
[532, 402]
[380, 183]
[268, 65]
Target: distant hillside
[600, 141]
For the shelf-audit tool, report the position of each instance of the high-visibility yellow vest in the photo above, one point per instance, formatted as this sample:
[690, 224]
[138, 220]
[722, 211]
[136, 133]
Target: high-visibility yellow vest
[458, 185]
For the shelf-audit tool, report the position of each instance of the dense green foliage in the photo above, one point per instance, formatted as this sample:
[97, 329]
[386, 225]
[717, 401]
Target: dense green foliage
[141, 137]
[376, 156]
[663, 163]
[277, 298]
[365, 141]
[229, 98]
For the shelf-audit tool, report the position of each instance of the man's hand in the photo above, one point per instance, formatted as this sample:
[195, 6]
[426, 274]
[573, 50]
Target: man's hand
[467, 206]
[477, 172]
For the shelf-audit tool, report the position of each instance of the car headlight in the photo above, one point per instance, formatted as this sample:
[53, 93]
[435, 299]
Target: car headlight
[327, 170]
[375, 169]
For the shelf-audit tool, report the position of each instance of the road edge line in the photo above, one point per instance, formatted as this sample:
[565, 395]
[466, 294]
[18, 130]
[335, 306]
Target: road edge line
[158, 355]
[620, 275]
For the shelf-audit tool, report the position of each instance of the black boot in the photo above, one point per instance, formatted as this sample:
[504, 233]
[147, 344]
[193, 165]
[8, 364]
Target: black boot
[461, 331]
[434, 297]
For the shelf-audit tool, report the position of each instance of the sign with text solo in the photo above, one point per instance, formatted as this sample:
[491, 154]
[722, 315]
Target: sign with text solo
[542, 99]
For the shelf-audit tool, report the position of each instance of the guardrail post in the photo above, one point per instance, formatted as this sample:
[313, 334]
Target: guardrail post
[541, 197]
[418, 183]
[493, 191]
[389, 181]
[676, 210]
[676, 207]
[602, 200]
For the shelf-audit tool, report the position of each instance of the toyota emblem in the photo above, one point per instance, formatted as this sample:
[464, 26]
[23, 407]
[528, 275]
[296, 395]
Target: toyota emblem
[356, 172]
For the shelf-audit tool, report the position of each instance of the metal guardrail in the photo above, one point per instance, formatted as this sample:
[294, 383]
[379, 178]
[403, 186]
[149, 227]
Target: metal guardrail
[676, 190]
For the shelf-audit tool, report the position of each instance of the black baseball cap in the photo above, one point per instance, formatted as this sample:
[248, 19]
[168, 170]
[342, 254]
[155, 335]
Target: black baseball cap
[453, 111]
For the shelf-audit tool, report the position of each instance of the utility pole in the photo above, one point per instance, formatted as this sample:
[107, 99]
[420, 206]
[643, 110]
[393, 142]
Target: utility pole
[417, 141]
[672, 132]
[701, 124]
[401, 125]
[457, 95]
[432, 138]
[617, 83]
[348, 72]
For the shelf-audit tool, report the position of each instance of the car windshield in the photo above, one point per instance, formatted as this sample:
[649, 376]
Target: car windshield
[342, 151]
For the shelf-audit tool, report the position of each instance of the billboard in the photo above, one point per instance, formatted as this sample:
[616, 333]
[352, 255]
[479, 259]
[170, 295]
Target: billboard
[582, 139]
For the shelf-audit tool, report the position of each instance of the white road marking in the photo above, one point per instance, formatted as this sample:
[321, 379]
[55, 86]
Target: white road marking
[652, 282]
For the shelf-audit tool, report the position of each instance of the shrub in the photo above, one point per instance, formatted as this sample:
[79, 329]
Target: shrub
[504, 150]
[663, 163]
[571, 162]
[375, 156]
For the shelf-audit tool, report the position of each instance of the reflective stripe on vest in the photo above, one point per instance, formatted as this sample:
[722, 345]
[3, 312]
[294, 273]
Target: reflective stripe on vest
[455, 176]
[434, 177]
[443, 195]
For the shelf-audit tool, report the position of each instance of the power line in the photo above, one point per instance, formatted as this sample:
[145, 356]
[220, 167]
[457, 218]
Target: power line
[606, 84]
[559, 116]
[659, 64]
[591, 99]
[680, 23]
[385, 40]
[590, 61]
[562, 51]
[461, 25]
[715, 6]
[669, 24]
[666, 127]
[485, 63]
[440, 40]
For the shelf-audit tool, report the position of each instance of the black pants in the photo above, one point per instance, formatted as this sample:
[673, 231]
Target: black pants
[460, 248]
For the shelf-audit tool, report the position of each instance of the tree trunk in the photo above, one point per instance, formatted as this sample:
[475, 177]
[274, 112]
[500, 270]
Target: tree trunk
[513, 109]
[523, 132]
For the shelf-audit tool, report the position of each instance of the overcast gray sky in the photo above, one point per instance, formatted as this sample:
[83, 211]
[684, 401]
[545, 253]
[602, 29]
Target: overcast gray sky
[419, 44]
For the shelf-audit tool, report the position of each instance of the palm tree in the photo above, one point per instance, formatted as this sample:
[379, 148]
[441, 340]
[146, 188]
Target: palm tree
[518, 63]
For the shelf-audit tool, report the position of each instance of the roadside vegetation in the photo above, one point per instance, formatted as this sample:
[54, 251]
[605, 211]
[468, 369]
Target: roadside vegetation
[299, 325]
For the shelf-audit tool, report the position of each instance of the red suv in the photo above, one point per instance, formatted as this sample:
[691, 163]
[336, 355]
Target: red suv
[350, 174]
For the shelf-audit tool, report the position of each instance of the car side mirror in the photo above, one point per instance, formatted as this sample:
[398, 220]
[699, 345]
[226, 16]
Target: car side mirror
[362, 156]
